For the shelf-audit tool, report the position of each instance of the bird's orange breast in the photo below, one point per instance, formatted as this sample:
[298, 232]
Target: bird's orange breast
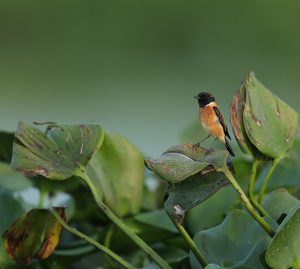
[211, 122]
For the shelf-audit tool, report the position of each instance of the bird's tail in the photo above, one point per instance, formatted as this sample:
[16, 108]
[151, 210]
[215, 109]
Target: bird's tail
[229, 148]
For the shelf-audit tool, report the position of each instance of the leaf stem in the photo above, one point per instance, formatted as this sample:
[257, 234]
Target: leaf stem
[266, 180]
[252, 197]
[191, 244]
[107, 242]
[106, 250]
[43, 194]
[118, 222]
[247, 203]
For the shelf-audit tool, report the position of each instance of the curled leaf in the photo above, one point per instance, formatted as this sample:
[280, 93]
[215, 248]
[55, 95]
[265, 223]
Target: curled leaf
[182, 161]
[33, 236]
[59, 153]
[237, 123]
[261, 121]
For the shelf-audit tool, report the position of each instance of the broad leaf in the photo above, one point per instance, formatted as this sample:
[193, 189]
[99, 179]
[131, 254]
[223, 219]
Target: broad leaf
[195, 172]
[278, 203]
[192, 192]
[34, 235]
[238, 241]
[158, 218]
[182, 161]
[117, 170]
[270, 123]
[59, 153]
[283, 251]
[7, 140]
[287, 173]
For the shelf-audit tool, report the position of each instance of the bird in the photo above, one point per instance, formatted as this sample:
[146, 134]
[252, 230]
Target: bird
[212, 119]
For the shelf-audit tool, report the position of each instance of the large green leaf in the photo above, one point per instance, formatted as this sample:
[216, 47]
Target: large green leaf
[59, 153]
[195, 171]
[182, 161]
[192, 192]
[278, 203]
[284, 249]
[270, 123]
[237, 241]
[117, 170]
[287, 173]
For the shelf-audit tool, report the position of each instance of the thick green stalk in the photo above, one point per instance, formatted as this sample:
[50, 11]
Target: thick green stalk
[266, 180]
[118, 222]
[251, 188]
[107, 251]
[191, 244]
[248, 204]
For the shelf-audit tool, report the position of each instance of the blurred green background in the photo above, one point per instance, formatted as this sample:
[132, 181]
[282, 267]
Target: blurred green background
[134, 66]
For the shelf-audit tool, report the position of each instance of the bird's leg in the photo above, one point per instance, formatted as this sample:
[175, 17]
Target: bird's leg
[197, 145]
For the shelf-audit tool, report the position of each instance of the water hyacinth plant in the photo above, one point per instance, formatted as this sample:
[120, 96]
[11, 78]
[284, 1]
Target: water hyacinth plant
[191, 207]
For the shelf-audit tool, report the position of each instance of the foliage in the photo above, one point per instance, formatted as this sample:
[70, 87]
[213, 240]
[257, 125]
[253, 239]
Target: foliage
[185, 209]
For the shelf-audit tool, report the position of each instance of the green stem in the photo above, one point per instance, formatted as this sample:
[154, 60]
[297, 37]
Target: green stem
[43, 194]
[252, 197]
[107, 251]
[191, 244]
[118, 222]
[248, 204]
[266, 180]
[107, 242]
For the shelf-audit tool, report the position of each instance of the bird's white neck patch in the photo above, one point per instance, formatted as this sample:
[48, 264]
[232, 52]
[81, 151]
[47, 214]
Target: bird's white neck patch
[212, 104]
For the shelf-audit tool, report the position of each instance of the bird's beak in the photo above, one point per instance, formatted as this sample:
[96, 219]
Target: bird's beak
[196, 97]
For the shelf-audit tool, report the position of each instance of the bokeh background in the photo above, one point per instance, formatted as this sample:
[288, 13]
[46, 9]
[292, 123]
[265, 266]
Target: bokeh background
[134, 66]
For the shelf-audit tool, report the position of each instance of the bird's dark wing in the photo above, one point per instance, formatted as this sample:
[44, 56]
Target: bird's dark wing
[221, 120]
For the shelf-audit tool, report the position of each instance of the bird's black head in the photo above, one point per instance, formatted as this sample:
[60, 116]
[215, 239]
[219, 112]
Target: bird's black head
[204, 98]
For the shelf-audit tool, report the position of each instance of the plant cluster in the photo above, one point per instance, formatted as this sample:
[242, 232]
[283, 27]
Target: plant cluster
[102, 204]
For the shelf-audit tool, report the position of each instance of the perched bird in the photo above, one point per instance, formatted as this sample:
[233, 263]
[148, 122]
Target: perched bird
[212, 119]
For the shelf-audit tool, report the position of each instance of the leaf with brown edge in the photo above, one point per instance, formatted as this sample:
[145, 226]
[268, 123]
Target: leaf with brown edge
[33, 236]
[237, 123]
[58, 153]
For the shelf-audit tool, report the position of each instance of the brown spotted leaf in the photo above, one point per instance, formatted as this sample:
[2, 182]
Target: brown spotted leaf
[58, 153]
[33, 236]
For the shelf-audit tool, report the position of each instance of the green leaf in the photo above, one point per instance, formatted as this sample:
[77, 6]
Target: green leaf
[195, 172]
[7, 140]
[270, 123]
[158, 218]
[221, 202]
[117, 171]
[192, 192]
[283, 251]
[182, 161]
[59, 153]
[287, 173]
[34, 235]
[279, 202]
[236, 242]
[10, 179]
